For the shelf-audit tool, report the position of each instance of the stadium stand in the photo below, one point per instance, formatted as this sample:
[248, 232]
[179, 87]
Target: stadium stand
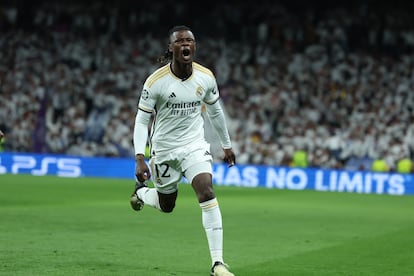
[335, 81]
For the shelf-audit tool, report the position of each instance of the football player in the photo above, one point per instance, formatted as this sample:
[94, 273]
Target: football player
[174, 94]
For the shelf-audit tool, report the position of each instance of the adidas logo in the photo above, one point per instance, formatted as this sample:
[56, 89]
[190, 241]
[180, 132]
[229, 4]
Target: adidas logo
[172, 95]
[207, 153]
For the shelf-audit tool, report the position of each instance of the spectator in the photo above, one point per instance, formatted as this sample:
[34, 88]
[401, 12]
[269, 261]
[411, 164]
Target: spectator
[333, 83]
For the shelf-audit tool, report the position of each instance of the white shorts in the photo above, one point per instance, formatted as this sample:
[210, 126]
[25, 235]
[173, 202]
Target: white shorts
[168, 168]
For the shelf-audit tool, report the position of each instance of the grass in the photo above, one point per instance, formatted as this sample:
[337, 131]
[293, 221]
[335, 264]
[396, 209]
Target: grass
[84, 226]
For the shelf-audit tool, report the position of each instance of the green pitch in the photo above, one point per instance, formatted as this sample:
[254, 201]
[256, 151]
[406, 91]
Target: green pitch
[62, 226]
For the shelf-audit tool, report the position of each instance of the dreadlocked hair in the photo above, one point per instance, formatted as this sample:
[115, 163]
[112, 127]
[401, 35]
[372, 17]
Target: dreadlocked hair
[167, 56]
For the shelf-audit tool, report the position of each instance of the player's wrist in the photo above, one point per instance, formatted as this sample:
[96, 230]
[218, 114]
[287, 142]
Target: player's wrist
[139, 157]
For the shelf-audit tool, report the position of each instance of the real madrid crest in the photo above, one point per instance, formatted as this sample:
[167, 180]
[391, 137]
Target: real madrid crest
[199, 91]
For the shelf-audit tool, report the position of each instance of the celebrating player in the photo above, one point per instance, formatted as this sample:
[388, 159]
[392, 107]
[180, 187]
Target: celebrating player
[175, 93]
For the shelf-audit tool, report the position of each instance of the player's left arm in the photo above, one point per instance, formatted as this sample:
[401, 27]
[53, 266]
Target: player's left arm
[217, 119]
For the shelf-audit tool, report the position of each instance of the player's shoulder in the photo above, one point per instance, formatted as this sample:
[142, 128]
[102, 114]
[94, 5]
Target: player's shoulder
[157, 75]
[203, 70]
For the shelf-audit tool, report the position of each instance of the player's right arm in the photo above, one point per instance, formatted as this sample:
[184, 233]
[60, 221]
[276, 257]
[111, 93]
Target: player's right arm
[142, 120]
[140, 141]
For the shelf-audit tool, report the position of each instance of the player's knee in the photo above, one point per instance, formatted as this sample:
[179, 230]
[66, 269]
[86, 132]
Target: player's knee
[206, 194]
[167, 207]
[203, 187]
[167, 201]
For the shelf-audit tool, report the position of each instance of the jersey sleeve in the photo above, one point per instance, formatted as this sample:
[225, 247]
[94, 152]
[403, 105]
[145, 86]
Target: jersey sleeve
[141, 131]
[147, 99]
[215, 114]
[146, 105]
[212, 93]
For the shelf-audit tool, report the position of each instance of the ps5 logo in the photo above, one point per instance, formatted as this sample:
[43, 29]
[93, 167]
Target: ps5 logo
[60, 166]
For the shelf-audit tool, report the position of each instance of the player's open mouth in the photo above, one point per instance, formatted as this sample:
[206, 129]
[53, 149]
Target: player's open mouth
[186, 55]
[186, 52]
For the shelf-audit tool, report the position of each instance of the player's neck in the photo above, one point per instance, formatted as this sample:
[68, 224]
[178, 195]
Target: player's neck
[182, 70]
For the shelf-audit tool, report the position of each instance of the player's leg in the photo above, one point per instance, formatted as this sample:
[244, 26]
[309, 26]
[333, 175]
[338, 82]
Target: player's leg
[166, 176]
[200, 177]
[167, 201]
[151, 197]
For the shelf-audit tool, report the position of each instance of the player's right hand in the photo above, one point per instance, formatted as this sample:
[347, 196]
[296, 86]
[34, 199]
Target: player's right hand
[142, 171]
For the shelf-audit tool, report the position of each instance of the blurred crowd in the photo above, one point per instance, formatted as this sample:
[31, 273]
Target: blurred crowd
[334, 82]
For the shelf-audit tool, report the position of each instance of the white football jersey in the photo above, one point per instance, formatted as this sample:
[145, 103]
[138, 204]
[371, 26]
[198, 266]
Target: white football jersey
[178, 106]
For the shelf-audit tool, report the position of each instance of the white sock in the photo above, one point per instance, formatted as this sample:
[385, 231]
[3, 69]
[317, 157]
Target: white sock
[149, 196]
[213, 226]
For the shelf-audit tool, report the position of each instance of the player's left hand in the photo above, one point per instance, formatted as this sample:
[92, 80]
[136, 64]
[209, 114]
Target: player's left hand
[229, 157]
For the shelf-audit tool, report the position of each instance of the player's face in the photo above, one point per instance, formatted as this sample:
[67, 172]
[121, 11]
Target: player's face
[183, 46]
